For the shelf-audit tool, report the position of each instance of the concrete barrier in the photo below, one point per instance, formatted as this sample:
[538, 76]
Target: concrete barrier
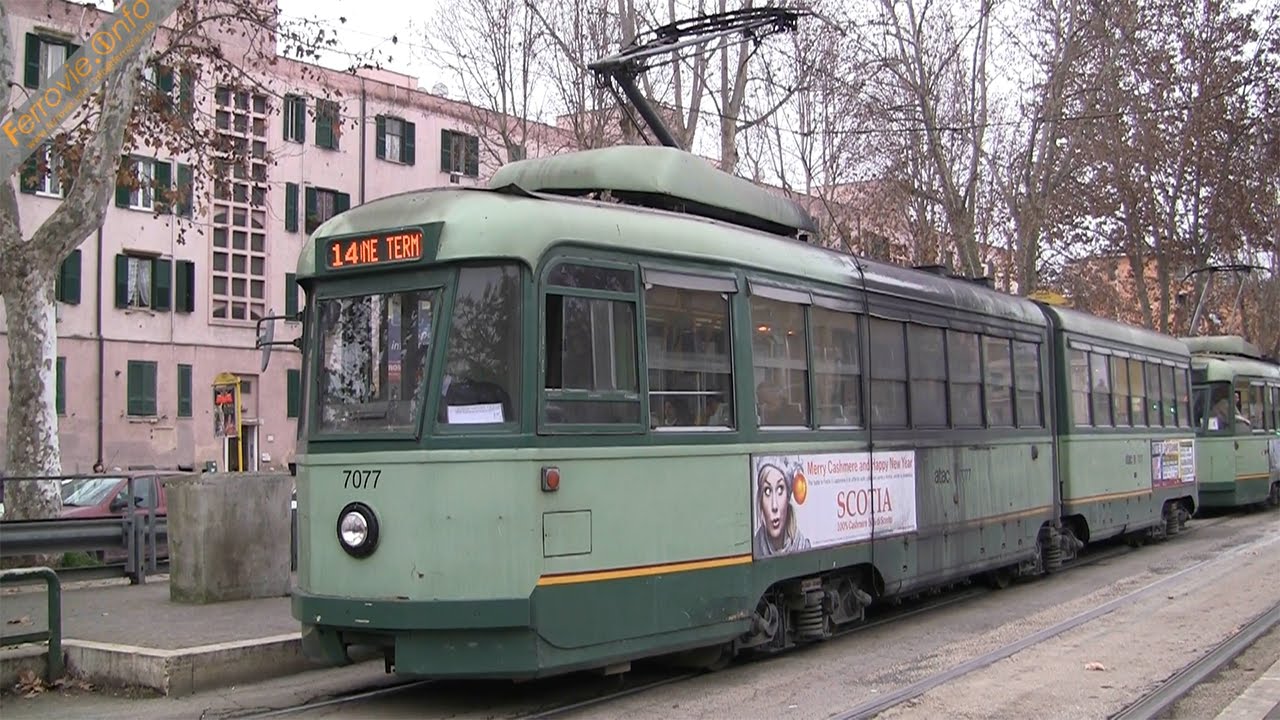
[229, 536]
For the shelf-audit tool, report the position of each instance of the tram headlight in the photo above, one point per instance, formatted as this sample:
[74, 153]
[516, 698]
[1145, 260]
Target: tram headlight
[358, 530]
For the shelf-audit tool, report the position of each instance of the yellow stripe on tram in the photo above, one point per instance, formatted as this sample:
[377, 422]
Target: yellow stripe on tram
[598, 575]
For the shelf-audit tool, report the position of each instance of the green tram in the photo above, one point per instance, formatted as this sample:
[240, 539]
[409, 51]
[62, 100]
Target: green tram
[1237, 405]
[615, 405]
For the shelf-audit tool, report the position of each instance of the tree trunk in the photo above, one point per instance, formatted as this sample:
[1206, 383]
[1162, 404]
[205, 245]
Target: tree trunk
[32, 440]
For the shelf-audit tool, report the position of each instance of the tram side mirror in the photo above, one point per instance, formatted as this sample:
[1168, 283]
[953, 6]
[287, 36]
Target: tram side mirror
[266, 327]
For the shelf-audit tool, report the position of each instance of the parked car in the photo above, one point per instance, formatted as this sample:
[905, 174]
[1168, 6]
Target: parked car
[107, 496]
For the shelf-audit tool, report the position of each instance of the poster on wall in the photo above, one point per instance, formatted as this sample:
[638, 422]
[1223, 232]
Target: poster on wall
[805, 502]
[1173, 462]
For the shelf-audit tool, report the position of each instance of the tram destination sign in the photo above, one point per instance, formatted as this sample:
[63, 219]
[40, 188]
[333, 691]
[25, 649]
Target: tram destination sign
[392, 248]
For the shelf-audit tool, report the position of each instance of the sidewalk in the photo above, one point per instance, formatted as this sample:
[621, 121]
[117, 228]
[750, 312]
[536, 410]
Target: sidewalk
[135, 636]
[1261, 701]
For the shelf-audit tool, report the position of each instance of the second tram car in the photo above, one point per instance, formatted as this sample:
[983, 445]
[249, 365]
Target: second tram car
[1238, 422]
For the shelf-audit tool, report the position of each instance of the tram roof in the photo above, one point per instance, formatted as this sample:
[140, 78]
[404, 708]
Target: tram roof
[1228, 367]
[1082, 323]
[509, 222]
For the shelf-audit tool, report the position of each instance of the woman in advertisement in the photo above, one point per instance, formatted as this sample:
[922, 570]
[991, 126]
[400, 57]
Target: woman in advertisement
[779, 531]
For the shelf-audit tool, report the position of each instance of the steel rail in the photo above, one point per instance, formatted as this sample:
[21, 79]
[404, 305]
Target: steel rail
[916, 689]
[1185, 680]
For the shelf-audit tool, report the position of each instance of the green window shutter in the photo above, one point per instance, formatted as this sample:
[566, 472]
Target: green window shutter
[149, 388]
[311, 210]
[293, 392]
[122, 190]
[164, 79]
[473, 156]
[446, 151]
[184, 391]
[122, 281]
[291, 295]
[60, 386]
[291, 207]
[410, 132]
[31, 68]
[184, 282]
[136, 403]
[29, 177]
[185, 193]
[341, 203]
[161, 284]
[161, 184]
[380, 135]
[67, 284]
[186, 96]
[300, 119]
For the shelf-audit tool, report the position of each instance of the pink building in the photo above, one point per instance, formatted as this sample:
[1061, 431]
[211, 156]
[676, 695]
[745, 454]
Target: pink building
[146, 324]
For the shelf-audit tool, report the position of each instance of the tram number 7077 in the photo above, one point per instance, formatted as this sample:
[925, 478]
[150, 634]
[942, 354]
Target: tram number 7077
[361, 479]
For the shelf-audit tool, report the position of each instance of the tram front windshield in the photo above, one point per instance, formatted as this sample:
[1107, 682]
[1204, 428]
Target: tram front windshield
[374, 352]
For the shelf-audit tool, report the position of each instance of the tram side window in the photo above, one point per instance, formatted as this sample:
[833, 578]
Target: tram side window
[1275, 407]
[1244, 407]
[928, 360]
[1120, 391]
[888, 367]
[689, 357]
[779, 354]
[1137, 395]
[964, 364]
[1221, 407]
[1100, 370]
[998, 373]
[1169, 397]
[1026, 367]
[837, 374]
[1080, 388]
[1183, 398]
[590, 340]
[1257, 407]
[1155, 418]
[481, 382]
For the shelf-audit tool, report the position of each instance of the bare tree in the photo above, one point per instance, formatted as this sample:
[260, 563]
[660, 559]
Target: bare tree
[489, 49]
[147, 100]
[935, 97]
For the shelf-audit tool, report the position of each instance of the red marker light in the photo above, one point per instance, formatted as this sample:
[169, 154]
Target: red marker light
[550, 479]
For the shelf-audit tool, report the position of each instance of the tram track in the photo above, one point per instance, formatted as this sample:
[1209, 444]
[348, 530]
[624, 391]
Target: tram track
[902, 695]
[1177, 686]
[945, 597]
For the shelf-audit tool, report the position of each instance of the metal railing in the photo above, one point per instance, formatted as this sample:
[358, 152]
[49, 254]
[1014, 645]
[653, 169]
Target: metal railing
[53, 632]
[137, 534]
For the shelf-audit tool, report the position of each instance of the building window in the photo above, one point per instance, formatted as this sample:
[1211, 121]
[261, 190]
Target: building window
[295, 118]
[143, 282]
[238, 256]
[459, 153]
[141, 391]
[395, 139]
[44, 55]
[323, 204]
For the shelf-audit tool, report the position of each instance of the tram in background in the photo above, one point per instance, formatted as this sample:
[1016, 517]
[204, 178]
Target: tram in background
[1237, 401]
[619, 404]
